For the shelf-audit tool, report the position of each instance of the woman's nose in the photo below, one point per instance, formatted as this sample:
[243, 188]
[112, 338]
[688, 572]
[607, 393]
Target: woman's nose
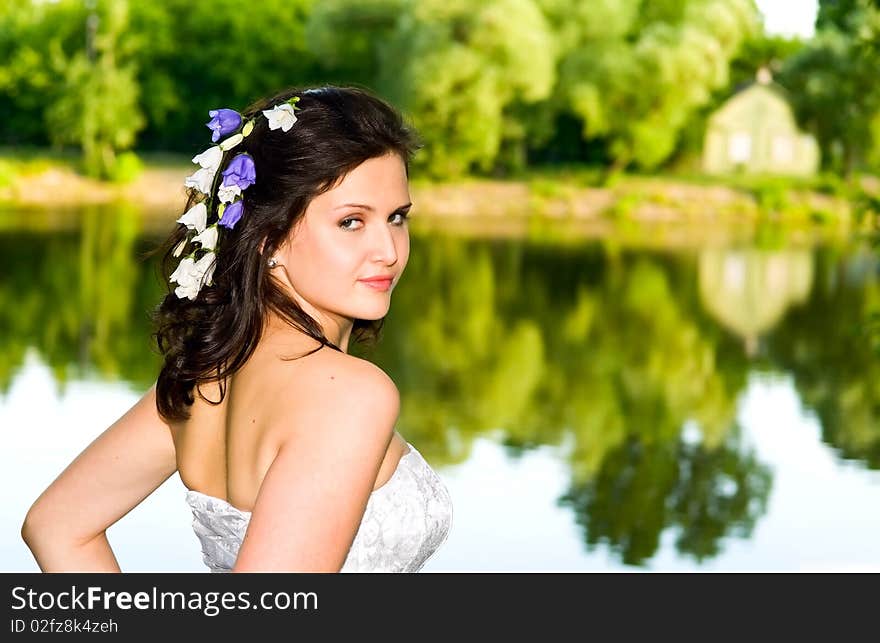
[384, 244]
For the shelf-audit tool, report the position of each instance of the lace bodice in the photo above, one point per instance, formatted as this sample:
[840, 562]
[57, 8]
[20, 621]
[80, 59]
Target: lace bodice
[405, 522]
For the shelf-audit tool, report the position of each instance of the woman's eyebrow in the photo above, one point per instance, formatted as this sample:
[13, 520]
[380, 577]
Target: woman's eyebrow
[364, 206]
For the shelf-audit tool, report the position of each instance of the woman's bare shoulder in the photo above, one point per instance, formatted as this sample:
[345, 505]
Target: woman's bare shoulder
[330, 363]
[335, 386]
[334, 435]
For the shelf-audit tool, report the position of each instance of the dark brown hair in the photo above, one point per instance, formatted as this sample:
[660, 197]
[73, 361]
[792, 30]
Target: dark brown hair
[211, 337]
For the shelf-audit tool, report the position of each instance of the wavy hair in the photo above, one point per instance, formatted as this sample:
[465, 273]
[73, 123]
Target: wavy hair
[209, 338]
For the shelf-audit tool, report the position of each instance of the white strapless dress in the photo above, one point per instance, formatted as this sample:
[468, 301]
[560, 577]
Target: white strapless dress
[405, 522]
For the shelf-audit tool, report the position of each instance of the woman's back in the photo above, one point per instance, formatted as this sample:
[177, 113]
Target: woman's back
[225, 450]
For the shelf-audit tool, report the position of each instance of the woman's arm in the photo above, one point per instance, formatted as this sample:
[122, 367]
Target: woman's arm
[313, 497]
[65, 528]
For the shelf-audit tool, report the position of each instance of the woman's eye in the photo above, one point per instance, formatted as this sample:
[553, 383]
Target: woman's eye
[345, 224]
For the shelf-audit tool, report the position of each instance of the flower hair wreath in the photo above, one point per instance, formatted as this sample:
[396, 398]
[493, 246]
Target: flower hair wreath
[194, 271]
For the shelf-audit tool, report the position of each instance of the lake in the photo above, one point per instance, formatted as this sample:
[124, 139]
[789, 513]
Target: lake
[595, 402]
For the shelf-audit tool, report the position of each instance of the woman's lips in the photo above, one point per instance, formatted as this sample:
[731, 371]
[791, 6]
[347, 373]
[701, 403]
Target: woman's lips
[377, 284]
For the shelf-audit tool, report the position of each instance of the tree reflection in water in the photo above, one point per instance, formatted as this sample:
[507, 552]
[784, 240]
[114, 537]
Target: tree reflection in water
[642, 489]
[613, 353]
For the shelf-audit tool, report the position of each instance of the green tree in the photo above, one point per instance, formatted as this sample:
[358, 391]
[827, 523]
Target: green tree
[634, 72]
[832, 83]
[839, 14]
[466, 68]
[36, 41]
[490, 86]
[350, 39]
[198, 56]
[98, 106]
[456, 67]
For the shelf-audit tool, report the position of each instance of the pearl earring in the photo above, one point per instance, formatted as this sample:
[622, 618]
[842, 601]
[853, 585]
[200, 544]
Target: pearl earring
[272, 262]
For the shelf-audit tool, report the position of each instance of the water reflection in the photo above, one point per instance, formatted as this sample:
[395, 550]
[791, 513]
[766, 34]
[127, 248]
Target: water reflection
[632, 363]
[81, 298]
[645, 488]
[749, 290]
[823, 344]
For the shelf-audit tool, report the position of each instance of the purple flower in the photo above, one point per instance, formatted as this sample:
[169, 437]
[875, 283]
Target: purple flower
[240, 172]
[223, 122]
[232, 214]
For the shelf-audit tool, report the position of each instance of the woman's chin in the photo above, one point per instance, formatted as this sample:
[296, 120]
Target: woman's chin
[373, 316]
[371, 313]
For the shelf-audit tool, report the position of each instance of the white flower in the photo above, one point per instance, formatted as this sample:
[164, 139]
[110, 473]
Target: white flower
[208, 264]
[183, 268]
[227, 193]
[201, 180]
[178, 249]
[191, 290]
[190, 275]
[196, 218]
[280, 116]
[210, 158]
[231, 142]
[208, 238]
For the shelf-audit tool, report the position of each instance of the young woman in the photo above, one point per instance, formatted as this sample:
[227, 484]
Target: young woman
[292, 241]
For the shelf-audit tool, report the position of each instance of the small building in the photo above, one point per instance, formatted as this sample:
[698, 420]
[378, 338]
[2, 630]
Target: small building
[755, 132]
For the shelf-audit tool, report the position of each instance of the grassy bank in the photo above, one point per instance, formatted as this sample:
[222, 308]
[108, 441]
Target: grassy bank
[40, 179]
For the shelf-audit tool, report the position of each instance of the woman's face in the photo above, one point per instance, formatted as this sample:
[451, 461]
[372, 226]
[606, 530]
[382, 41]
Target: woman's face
[353, 232]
